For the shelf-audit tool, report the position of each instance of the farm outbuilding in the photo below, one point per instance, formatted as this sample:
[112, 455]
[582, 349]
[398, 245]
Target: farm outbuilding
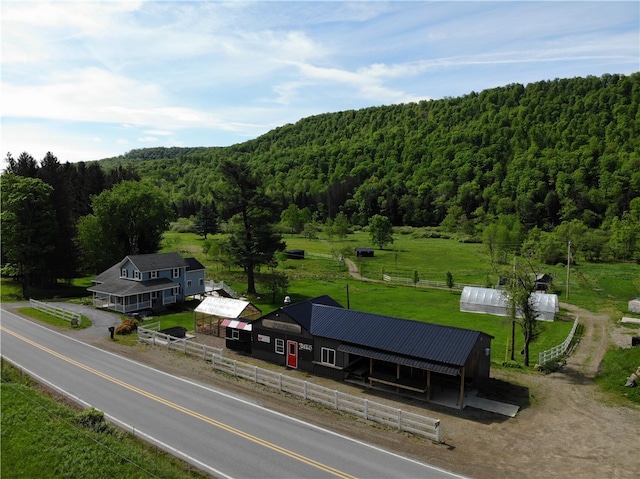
[494, 301]
[364, 252]
[294, 254]
[213, 310]
[397, 355]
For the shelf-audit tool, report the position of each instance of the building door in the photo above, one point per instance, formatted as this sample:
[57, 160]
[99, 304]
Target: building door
[292, 354]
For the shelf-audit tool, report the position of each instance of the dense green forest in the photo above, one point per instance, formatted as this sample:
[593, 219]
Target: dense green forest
[526, 169]
[549, 152]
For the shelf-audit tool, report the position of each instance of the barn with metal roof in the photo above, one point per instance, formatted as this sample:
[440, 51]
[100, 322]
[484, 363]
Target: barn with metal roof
[400, 355]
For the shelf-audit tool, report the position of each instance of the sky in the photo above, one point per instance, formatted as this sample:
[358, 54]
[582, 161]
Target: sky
[89, 80]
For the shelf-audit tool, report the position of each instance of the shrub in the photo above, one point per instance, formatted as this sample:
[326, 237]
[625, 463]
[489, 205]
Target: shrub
[128, 326]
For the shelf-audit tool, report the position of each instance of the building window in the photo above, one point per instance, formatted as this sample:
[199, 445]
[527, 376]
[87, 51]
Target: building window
[279, 346]
[136, 274]
[201, 282]
[154, 294]
[154, 274]
[176, 272]
[235, 334]
[123, 273]
[176, 291]
[188, 283]
[329, 356]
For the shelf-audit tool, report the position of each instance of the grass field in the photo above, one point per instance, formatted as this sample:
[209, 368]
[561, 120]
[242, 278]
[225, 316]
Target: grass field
[43, 438]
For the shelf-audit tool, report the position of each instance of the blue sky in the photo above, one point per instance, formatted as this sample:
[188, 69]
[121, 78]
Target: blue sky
[89, 80]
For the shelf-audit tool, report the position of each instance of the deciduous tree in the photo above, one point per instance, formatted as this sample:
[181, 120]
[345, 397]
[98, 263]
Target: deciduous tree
[380, 230]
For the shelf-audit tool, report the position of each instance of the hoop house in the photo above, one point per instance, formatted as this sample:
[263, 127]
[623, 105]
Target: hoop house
[494, 301]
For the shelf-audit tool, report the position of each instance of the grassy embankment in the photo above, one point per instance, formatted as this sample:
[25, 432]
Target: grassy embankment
[43, 438]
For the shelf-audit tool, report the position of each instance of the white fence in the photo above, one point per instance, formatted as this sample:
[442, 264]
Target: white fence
[557, 351]
[372, 411]
[425, 283]
[150, 335]
[74, 318]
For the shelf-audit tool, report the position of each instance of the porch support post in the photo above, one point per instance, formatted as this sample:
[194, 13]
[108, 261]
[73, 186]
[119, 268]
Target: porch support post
[461, 398]
[428, 384]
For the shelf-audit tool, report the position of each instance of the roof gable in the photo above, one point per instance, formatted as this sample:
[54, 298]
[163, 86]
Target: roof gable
[225, 307]
[301, 312]
[428, 341]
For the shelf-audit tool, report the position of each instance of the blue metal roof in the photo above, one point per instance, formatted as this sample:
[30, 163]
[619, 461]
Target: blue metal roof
[425, 341]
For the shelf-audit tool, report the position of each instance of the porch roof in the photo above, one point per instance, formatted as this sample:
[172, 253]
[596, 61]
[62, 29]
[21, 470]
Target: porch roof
[127, 287]
[397, 359]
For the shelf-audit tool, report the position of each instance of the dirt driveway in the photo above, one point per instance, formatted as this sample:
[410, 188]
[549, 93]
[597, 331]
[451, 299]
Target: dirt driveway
[565, 427]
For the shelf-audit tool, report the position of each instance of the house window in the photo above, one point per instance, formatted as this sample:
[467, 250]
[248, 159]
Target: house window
[154, 274]
[201, 282]
[329, 356]
[235, 334]
[176, 290]
[123, 273]
[136, 274]
[188, 283]
[279, 346]
[176, 272]
[154, 294]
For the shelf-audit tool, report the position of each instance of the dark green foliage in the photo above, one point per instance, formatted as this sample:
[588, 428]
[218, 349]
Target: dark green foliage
[29, 228]
[129, 219]
[206, 222]
[450, 282]
[251, 216]
[93, 420]
[548, 152]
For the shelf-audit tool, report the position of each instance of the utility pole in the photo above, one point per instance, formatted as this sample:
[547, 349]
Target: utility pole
[568, 265]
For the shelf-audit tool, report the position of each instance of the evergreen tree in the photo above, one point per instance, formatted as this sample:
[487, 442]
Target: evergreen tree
[206, 222]
[253, 240]
[29, 228]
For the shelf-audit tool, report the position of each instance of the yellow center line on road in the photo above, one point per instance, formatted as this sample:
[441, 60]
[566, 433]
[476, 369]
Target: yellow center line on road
[177, 407]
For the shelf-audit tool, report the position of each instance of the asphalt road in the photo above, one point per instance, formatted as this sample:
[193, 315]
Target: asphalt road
[225, 435]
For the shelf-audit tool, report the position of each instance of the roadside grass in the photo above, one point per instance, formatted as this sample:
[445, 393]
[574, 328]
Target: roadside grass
[616, 366]
[52, 320]
[43, 438]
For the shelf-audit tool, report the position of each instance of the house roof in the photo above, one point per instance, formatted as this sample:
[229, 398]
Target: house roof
[222, 307]
[125, 287]
[193, 264]
[301, 312]
[156, 261]
[416, 339]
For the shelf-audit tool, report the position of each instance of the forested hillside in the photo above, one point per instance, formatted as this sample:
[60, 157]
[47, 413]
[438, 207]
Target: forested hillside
[548, 152]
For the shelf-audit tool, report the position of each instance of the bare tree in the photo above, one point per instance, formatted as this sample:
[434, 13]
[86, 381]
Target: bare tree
[521, 304]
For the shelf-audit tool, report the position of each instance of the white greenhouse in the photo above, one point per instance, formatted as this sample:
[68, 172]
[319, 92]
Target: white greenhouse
[494, 301]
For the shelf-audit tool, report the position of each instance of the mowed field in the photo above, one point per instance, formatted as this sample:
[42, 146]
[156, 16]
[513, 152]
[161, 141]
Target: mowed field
[597, 287]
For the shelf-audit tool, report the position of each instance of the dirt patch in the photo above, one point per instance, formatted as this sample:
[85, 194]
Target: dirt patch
[565, 426]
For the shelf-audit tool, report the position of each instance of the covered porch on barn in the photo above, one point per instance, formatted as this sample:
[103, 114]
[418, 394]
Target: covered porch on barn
[413, 377]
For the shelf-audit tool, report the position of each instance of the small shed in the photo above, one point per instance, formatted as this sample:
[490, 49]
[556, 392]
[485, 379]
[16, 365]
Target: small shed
[210, 313]
[494, 301]
[543, 282]
[364, 252]
[294, 254]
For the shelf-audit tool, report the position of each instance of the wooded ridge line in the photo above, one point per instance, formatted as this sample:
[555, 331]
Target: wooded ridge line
[548, 152]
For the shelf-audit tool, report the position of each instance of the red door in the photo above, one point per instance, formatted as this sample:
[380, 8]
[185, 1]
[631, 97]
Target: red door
[292, 354]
